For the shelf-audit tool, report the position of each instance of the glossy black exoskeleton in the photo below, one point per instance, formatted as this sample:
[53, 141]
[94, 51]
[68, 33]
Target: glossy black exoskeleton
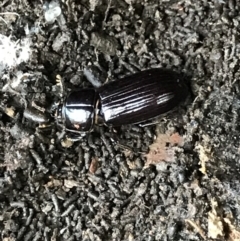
[133, 99]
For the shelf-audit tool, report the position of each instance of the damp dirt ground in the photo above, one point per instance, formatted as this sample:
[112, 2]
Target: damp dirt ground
[179, 178]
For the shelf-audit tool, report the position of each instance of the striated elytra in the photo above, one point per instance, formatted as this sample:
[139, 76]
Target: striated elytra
[133, 99]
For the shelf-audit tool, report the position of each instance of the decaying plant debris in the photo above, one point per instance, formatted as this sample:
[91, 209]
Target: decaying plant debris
[55, 189]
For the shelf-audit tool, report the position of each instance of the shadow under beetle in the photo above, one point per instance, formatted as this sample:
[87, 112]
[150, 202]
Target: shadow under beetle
[130, 100]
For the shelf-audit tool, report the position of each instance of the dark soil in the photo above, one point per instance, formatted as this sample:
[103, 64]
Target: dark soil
[94, 189]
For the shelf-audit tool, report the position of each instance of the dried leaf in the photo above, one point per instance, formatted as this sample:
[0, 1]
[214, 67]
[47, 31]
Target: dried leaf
[54, 183]
[70, 183]
[10, 111]
[94, 165]
[215, 226]
[203, 156]
[163, 148]
[67, 143]
[176, 139]
[215, 223]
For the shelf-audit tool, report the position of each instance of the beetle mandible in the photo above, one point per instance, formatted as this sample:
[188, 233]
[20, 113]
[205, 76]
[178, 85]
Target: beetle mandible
[130, 100]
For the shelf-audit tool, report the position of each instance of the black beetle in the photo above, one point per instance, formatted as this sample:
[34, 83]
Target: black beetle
[133, 99]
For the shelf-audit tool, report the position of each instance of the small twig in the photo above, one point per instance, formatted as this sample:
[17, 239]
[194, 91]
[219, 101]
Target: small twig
[4, 3]
[106, 12]
[4, 20]
[196, 227]
[9, 13]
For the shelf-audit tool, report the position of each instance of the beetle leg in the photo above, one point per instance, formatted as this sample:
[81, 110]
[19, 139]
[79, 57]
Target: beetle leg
[114, 138]
[148, 123]
[75, 137]
[60, 83]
